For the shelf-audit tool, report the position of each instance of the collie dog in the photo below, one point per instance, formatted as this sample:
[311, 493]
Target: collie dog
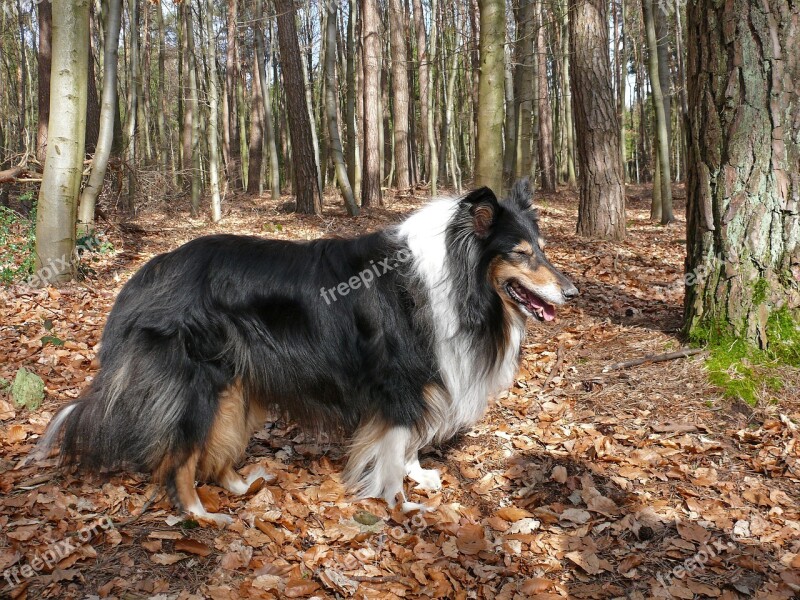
[393, 340]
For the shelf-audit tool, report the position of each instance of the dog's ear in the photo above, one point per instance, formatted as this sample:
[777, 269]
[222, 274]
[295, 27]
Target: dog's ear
[483, 208]
[521, 194]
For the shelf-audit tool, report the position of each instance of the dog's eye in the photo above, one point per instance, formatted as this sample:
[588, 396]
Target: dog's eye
[519, 255]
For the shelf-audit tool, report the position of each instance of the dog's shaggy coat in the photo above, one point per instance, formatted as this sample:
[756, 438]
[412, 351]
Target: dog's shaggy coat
[395, 339]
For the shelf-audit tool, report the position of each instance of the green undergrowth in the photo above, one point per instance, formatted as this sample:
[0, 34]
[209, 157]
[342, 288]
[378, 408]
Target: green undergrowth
[744, 371]
[17, 243]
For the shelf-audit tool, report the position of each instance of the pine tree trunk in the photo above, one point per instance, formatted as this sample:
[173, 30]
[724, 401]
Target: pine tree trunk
[398, 32]
[569, 127]
[547, 161]
[601, 211]
[266, 98]
[422, 61]
[743, 212]
[107, 110]
[58, 194]
[371, 175]
[491, 113]
[306, 181]
[255, 152]
[213, 116]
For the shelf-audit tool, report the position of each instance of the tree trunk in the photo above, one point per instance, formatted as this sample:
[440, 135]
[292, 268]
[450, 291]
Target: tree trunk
[547, 161]
[569, 128]
[743, 212]
[256, 146]
[230, 123]
[331, 111]
[510, 129]
[601, 211]
[133, 100]
[422, 60]
[266, 98]
[526, 47]
[194, 132]
[398, 33]
[489, 171]
[353, 161]
[213, 116]
[662, 131]
[431, 124]
[105, 138]
[164, 146]
[58, 195]
[371, 177]
[306, 181]
[45, 55]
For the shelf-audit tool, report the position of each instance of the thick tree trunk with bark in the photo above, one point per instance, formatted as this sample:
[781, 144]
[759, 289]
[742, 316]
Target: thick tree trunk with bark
[306, 181]
[107, 111]
[601, 212]
[371, 177]
[743, 212]
[489, 168]
[58, 195]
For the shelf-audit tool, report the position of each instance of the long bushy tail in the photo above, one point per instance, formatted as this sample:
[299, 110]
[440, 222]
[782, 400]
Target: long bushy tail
[150, 400]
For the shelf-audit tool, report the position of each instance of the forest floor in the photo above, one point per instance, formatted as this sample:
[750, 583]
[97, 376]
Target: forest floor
[641, 482]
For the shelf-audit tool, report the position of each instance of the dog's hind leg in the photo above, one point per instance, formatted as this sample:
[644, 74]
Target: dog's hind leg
[234, 423]
[178, 477]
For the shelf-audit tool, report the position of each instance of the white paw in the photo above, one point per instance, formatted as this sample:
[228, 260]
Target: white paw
[408, 507]
[259, 473]
[219, 519]
[427, 479]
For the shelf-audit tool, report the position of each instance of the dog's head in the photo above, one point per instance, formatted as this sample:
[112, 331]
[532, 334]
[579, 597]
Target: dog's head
[512, 250]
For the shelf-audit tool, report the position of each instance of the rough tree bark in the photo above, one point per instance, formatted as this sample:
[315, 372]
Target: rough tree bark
[601, 211]
[58, 195]
[743, 212]
[489, 167]
[306, 181]
[105, 138]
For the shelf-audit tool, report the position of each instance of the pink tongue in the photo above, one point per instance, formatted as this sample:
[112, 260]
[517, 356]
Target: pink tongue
[549, 312]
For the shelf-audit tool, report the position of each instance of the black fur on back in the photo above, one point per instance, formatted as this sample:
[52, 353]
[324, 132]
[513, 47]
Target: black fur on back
[225, 308]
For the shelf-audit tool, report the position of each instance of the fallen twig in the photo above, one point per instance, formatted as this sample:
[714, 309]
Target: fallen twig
[557, 367]
[652, 358]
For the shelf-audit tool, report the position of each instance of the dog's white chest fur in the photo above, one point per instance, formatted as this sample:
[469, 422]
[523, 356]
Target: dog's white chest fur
[462, 369]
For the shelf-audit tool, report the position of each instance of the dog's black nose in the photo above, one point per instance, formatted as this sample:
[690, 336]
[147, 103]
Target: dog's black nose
[570, 292]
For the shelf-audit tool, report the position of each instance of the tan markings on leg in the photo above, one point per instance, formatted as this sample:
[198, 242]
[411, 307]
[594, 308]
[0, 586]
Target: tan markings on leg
[226, 440]
[234, 423]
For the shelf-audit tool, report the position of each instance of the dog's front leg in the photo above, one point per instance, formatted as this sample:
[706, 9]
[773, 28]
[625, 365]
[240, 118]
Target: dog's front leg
[427, 479]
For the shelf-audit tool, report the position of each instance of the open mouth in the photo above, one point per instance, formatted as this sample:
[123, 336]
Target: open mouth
[530, 302]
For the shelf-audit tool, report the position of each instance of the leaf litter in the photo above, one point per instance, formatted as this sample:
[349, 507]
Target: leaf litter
[636, 483]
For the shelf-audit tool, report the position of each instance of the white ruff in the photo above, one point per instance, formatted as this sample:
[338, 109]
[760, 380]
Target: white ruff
[461, 365]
